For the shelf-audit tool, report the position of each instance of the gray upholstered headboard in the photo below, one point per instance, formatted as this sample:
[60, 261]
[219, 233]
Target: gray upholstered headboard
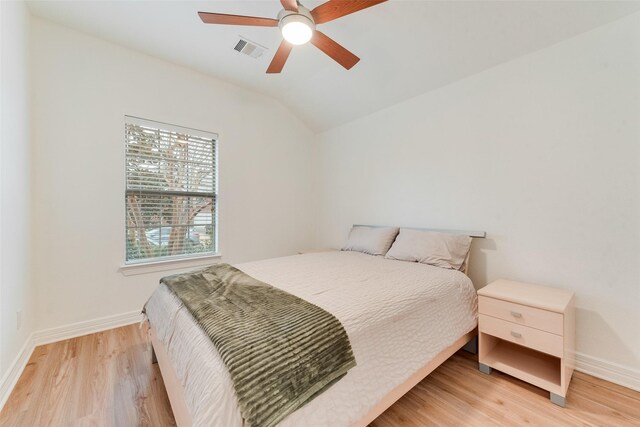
[475, 234]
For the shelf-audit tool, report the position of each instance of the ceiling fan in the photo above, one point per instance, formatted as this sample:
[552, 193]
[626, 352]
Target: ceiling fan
[298, 26]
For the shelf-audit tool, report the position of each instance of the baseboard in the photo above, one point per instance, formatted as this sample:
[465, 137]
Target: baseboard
[9, 380]
[87, 327]
[608, 371]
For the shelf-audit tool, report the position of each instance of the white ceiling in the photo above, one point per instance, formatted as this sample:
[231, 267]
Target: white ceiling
[406, 47]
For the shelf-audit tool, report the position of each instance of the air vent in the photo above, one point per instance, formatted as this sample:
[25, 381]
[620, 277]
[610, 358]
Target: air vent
[241, 44]
[249, 48]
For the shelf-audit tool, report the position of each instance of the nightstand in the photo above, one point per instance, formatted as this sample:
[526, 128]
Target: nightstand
[528, 331]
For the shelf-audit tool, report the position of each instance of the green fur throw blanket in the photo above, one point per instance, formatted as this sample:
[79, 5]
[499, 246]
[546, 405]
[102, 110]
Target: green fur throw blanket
[280, 350]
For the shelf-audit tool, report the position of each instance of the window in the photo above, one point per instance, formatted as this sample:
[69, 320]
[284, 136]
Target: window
[171, 191]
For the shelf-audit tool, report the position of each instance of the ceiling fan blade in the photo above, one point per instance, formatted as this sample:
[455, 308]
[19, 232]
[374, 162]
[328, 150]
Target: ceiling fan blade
[221, 18]
[291, 5]
[339, 54]
[277, 63]
[334, 9]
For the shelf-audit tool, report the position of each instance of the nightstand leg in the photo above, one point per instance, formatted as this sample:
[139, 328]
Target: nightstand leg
[558, 400]
[484, 368]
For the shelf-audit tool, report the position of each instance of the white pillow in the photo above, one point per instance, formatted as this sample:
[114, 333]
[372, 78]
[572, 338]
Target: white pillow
[370, 240]
[430, 247]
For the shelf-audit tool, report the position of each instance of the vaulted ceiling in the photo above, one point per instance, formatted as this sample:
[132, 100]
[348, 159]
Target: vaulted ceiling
[406, 47]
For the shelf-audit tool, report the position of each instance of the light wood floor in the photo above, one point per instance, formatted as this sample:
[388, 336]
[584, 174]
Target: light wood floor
[107, 379]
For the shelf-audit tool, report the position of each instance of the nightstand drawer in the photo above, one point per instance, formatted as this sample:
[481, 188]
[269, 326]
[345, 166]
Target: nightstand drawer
[522, 335]
[522, 315]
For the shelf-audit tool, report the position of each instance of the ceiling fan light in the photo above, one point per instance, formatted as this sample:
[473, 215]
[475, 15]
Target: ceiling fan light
[296, 33]
[296, 29]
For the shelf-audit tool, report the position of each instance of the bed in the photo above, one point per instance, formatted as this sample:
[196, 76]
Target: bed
[403, 320]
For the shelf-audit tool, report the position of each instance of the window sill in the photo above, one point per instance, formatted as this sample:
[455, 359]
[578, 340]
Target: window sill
[167, 265]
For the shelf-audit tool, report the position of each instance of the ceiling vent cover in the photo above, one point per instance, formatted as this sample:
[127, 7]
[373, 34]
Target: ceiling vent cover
[249, 48]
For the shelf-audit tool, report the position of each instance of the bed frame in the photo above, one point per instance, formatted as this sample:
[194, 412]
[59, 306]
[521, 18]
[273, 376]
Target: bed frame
[183, 417]
[176, 395]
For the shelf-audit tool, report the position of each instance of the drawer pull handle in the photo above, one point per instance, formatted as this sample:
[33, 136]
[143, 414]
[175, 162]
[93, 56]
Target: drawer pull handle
[516, 334]
[516, 314]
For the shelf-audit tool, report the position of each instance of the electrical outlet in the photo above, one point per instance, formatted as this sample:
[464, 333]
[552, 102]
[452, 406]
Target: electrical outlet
[18, 320]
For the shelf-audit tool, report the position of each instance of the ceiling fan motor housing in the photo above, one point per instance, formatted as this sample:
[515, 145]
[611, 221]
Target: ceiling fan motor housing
[302, 15]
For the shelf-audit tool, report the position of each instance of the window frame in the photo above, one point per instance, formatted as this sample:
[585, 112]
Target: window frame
[168, 262]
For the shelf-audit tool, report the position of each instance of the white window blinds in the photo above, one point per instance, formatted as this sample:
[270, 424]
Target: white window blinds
[171, 191]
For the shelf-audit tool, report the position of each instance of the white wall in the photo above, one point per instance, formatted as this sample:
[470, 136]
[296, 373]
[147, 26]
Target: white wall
[82, 89]
[543, 153]
[16, 292]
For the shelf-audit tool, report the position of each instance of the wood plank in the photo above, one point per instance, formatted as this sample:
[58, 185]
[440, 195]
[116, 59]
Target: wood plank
[107, 379]
[458, 394]
[102, 379]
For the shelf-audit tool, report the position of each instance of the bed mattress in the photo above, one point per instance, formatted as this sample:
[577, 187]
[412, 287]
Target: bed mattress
[398, 315]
